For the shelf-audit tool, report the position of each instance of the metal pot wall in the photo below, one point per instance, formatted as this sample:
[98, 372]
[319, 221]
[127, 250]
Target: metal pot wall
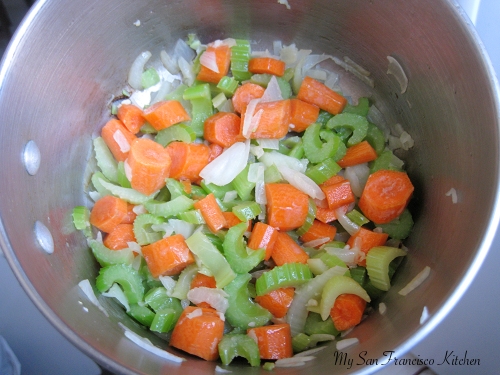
[68, 58]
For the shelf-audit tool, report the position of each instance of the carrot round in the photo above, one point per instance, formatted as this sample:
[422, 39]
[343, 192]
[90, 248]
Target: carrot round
[168, 256]
[347, 311]
[118, 138]
[211, 212]
[274, 120]
[188, 159]
[166, 113]
[287, 206]
[215, 150]
[107, 213]
[149, 164]
[222, 57]
[314, 92]
[319, 230]
[266, 65]
[368, 240]
[362, 152]
[223, 128]
[243, 94]
[274, 341]
[286, 250]
[131, 116]
[302, 115]
[385, 195]
[277, 302]
[338, 194]
[121, 234]
[198, 332]
[263, 236]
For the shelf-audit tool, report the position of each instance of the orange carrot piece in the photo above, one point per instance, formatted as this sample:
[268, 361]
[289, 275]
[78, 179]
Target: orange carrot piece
[211, 212]
[287, 206]
[319, 230]
[302, 115]
[168, 256]
[362, 152]
[198, 333]
[327, 215]
[131, 116]
[368, 240]
[274, 120]
[274, 341]
[188, 159]
[200, 280]
[277, 302]
[266, 65]
[186, 184]
[165, 113]
[385, 195]
[333, 180]
[131, 215]
[222, 59]
[263, 236]
[286, 250]
[314, 92]
[215, 150]
[121, 234]
[223, 128]
[244, 94]
[347, 311]
[338, 194]
[149, 164]
[107, 213]
[113, 130]
[231, 219]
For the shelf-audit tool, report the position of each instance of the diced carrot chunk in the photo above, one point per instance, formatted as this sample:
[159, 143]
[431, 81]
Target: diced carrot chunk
[315, 92]
[119, 237]
[243, 94]
[164, 114]
[274, 341]
[277, 301]
[263, 236]
[319, 230]
[286, 250]
[107, 213]
[223, 128]
[118, 138]
[188, 159]
[131, 116]
[302, 115]
[287, 206]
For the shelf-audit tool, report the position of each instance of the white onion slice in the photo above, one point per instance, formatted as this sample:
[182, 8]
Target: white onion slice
[346, 223]
[453, 194]
[168, 283]
[182, 227]
[297, 75]
[382, 308]
[136, 69]
[116, 292]
[316, 242]
[277, 47]
[269, 144]
[86, 287]
[285, 3]
[122, 142]
[416, 281]
[182, 49]
[356, 66]
[375, 116]
[301, 182]
[224, 168]
[169, 63]
[260, 195]
[249, 113]
[317, 74]
[186, 70]
[357, 176]
[346, 254]
[256, 172]
[230, 196]
[288, 54]
[353, 70]
[165, 88]
[397, 71]
[229, 42]
[274, 157]
[209, 60]
[312, 60]
[332, 81]
[216, 298]
[273, 92]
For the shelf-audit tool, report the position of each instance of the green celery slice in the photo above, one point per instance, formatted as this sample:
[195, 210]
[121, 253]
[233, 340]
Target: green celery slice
[127, 194]
[322, 171]
[164, 320]
[361, 109]
[285, 87]
[107, 257]
[311, 215]
[321, 145]
[357, 217]
[228, 85]
[149, 78]
[378, 260]
[175, 188]
[356, 123]
[287, 275]
[143, 233]
[170, 208]
[192, 217]
[211, 258]
[216, 190]
[400, 227]
[316, 325]
[81, 215]
[96, 182]
[247, 210]
[303, 341]
[124, 275]
[242, 311]
[375, 138]
[240, 55]
[122, 176]
[105, 159]
[183, 284]
[239, 345]
[242, 186]
[201, 104]
[142, 314]
[157, 299]
[386, 160]
[179, 132]
[240, 258]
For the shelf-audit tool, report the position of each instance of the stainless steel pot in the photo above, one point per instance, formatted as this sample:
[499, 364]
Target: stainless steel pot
[68, 58]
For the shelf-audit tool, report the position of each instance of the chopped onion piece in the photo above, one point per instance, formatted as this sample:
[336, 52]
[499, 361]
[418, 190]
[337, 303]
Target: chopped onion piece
[169, 63]
[288, 54]
[332, 81]
[165, 88]
[257, 151]
[301, 182]
[116, 292]
[272, 92]
[453, 194]
[86, 287]
[230, 196]
[269, 144]
[342, 344]
[316, 242]
[349, 68]
[182, 227]
[260, 196]
[224, 168]
[416, 281]
[256, 172]
[317, 74]
[94, 195]
[382, 308]
[142, 98]
[357, 176]
[168, 283]
[397, 71]
[186, 70]
[249, 113]
[139, 209]
[229, 42]
[346, 254]
[148, 345]
[216, 298]
[135, 72]
[182, 50]
[278, 159]
[121, 141]
[346, 223]
[424, 316]
[285, 3]
[298, 76]
[277, 47]
[406, 141]
[194, 314]
[356, 66]
[375, 116]
[209, 60]
[394, 143]
[313, 60]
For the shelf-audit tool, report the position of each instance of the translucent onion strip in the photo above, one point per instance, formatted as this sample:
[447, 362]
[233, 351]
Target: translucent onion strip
[397, 71]
[301, 182]
[135, 72]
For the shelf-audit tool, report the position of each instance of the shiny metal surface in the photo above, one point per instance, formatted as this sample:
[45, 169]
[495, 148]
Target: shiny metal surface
[55, 82]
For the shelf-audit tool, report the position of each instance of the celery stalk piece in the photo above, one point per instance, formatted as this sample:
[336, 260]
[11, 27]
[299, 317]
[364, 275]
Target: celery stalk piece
[272, 174]
[242, 186]
[81, 215]
[386, 160]
[323, 117]
[360, 109]
[378, 260]
[247, 210]
[96, 182]
[239, 345]
[202, 108]
[316, 325]
[228, 85]
[129, 195]
[142, 314]
[177, 93]
[192, 217]
[287, 275]
[285, 88]
[303, 341]
[242, 311]
[175, 188]
[218, 191]
[240, 258]
[149, 78]
[108, 257]
[400, 227]
[358, 274]
[336, 286]
[183, 284]
[317, 266]
[124, 275]
[261, 79]
[143, 233]
[330, 260]
[356, 123]
[170, 208]
[311, 215]
[240, 55]
[375, 138]
[164, 320]
[157, 299]
[321, 145]
[179, 132]
[297, 151]
[357, 217]
[105, 159]
[122, 176]
[211, 258]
